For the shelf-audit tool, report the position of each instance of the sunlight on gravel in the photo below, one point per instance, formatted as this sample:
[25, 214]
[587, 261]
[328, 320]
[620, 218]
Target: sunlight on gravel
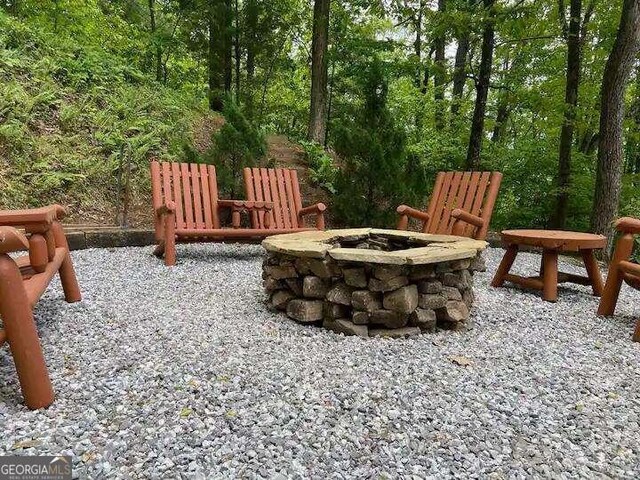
[169, 372]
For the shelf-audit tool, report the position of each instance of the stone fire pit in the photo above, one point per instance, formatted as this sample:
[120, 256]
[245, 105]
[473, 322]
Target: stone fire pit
[372, 282]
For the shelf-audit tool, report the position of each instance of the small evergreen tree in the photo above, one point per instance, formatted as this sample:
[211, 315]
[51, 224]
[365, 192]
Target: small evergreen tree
[236, 145]
[372, 177]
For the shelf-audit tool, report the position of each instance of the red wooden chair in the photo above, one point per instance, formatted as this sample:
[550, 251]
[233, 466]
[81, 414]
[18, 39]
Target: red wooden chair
[23, 280]
[280, 187]
[622, 269]
[187, 209]
[461, 204]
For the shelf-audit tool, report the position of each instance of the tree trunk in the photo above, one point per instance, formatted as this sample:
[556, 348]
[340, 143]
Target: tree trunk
[460, 72]
[214, 62]
[417, 44]
[236, 45]
[482, 88]
[501, 119]
[320, 45]
[158, 48]
[616, 74]
[439, 77]
[251, 7]
[563, 178]
[228, 45]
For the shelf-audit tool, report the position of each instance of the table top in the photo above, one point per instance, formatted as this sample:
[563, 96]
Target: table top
[555, 239]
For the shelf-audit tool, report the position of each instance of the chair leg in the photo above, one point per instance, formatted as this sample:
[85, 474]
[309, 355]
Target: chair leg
[550, 276]
[403, 223]
[67, 272]
[593, 271]
[636, 334]
[170, 239]
[505, 266]
[23, 338]
[611, 291]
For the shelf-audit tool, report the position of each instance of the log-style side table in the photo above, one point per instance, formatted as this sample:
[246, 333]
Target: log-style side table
[552, 243]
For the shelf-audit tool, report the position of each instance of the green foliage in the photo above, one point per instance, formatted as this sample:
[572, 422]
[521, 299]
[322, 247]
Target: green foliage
[372, 176]
[236, 145]
[322, 169]
[73, 114]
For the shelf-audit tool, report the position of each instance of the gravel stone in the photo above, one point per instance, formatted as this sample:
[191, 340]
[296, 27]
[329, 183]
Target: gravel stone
[185, 372]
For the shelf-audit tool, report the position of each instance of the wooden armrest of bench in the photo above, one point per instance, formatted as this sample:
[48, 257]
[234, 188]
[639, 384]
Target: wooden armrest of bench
[11, 240]
[628, 225]
[311, 209]
[34, 216]
[467, 217]
[413, 213]
[168, 207]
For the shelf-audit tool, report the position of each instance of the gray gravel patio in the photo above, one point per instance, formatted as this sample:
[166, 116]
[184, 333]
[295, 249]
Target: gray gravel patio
[184, 372]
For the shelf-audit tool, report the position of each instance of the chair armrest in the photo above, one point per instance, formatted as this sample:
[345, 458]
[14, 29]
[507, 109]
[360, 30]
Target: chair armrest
[169, 207]
[246, 205]
[413, 213]
[312, 209]
[628, 225]
[34, 216]
[467, 217]
[11, 240]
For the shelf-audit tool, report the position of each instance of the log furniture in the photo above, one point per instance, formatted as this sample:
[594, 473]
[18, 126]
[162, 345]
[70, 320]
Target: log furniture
[23, 280]
[187, 208]
[461, 204]
[622, 269]
[552, 243]
[280, 187]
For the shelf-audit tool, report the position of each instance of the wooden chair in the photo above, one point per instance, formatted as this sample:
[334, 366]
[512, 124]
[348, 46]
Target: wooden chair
[280, 187]
[23, 280]
[461, 204]
[622, 269]
[187, 209]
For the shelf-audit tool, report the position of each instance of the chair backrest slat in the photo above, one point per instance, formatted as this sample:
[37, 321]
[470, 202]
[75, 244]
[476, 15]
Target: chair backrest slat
[474, 192]
[197, 196]
[193, 190]
[279, 186]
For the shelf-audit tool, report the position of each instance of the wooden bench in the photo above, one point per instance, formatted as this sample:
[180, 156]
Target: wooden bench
[461, 204]
[187, 207]
[23, 280]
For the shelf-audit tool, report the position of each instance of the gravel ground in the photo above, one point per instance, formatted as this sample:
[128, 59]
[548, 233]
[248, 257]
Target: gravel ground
[183, 372]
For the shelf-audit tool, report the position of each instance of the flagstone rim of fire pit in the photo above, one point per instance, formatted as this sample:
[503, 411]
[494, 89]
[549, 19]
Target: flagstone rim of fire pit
[428, 248]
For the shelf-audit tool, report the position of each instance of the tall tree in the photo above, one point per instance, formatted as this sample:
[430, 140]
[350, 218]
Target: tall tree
[219, 56]
[319, 75]
[610, 160]
[482, 86]
[574, 33]
[439, 77]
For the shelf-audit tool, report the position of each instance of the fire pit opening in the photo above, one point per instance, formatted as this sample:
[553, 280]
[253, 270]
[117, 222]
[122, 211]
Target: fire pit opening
[371, 282]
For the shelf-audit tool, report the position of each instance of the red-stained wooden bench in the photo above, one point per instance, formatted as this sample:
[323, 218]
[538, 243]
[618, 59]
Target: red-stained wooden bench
[187, 209]
[280, 187]
[23, 280]
[461, 204]
[622, 269]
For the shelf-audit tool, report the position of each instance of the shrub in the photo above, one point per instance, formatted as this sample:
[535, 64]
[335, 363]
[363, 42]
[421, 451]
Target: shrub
[236, 145]
[322, 169]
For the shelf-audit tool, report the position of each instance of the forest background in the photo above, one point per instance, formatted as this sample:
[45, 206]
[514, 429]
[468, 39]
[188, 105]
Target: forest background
[377, 95]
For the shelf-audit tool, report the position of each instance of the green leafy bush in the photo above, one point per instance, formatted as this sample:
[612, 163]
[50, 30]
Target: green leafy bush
[322, 169]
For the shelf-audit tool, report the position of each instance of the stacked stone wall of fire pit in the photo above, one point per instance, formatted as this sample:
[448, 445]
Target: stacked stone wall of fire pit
[376, 295]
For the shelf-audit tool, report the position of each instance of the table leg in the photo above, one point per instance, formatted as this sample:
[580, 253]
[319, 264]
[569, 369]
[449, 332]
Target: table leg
[550, 278]
[593, 271]
[505, 265]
